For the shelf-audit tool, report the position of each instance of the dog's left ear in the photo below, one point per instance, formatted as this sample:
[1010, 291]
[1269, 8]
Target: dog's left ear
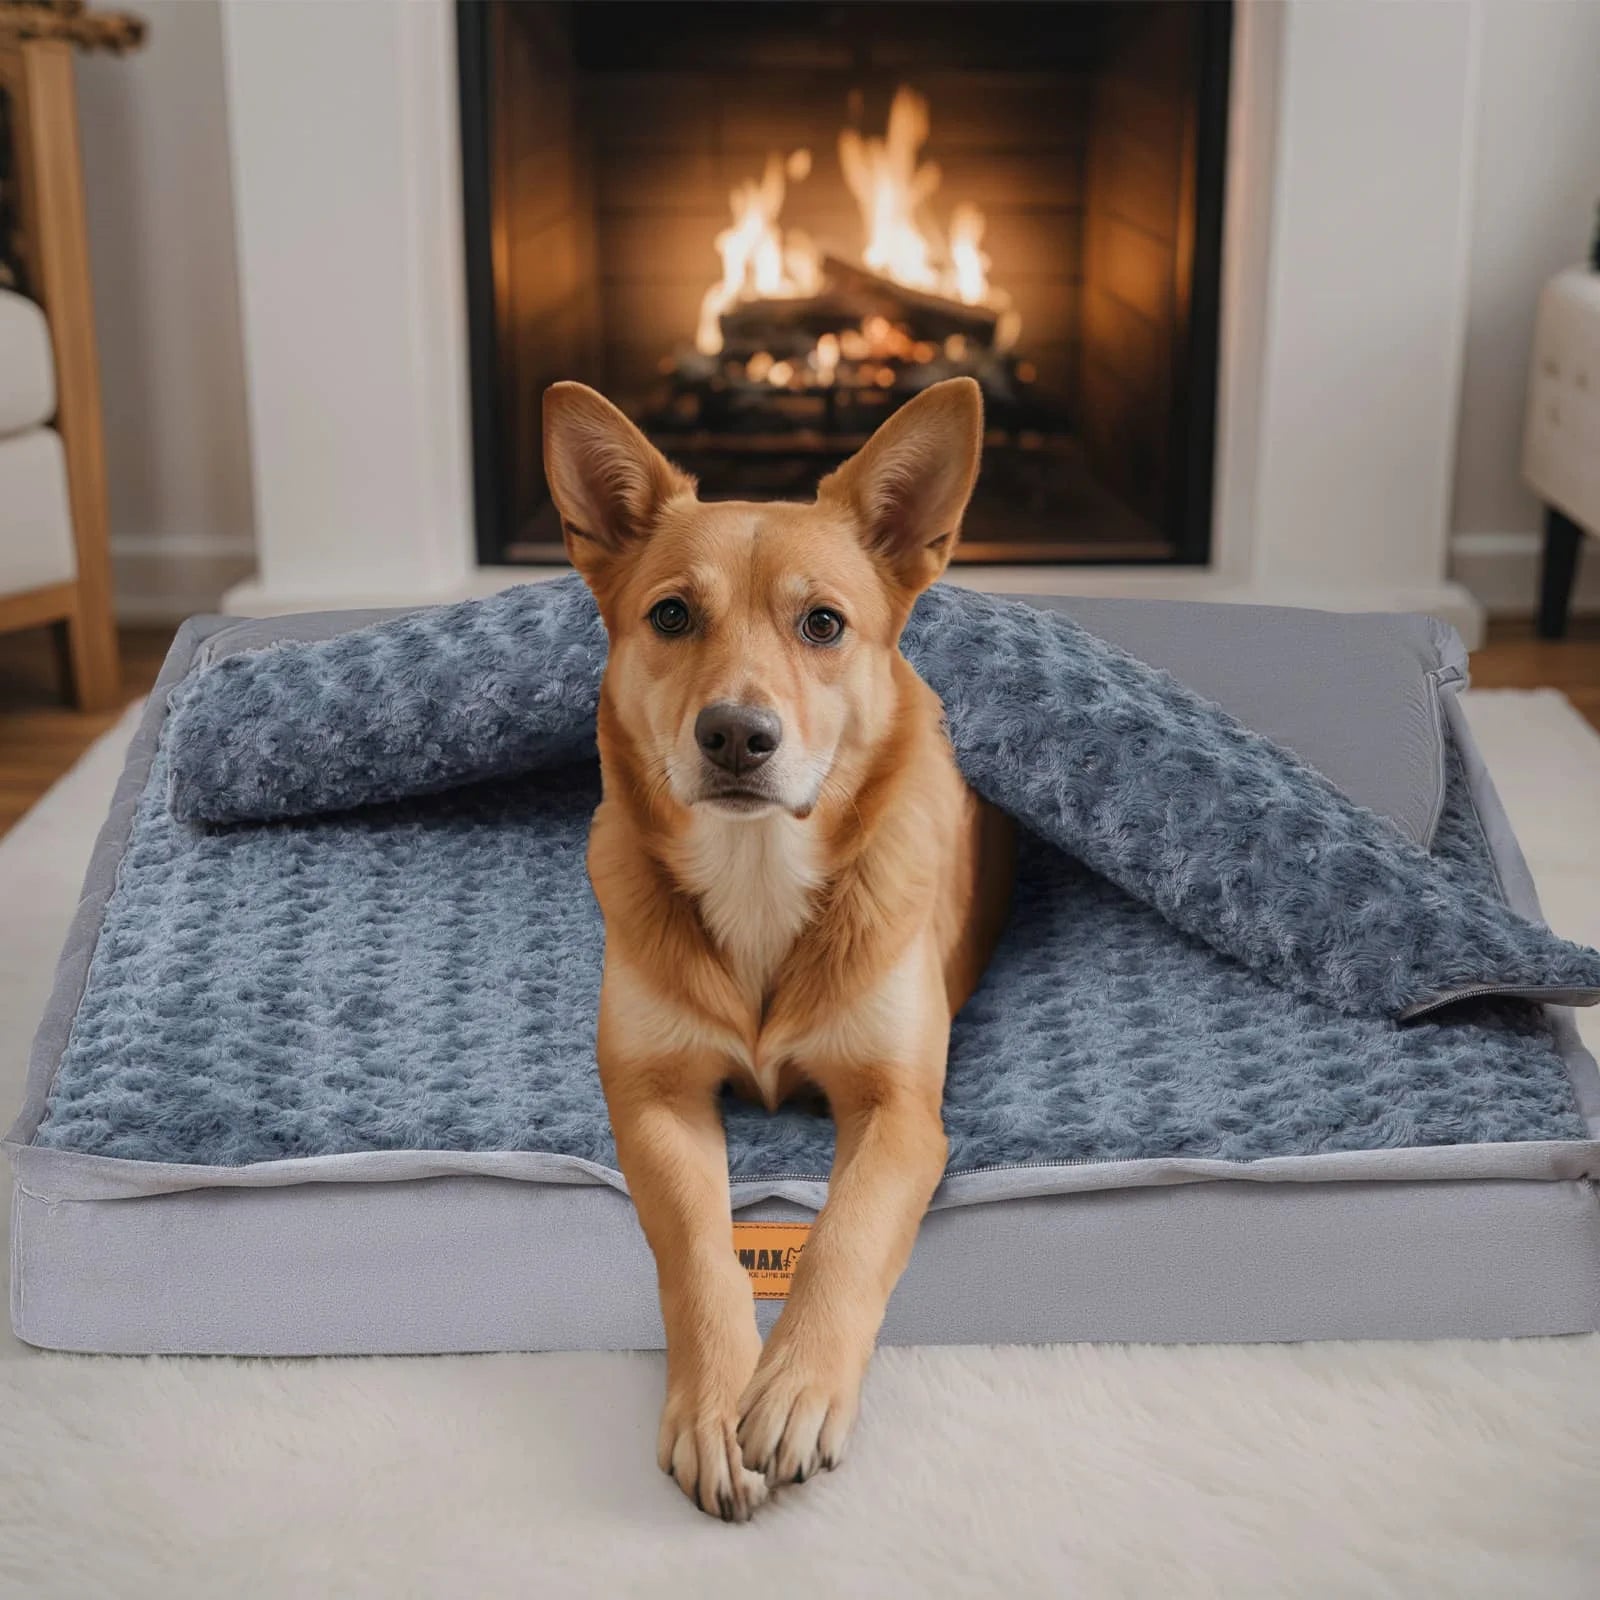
[908, 486]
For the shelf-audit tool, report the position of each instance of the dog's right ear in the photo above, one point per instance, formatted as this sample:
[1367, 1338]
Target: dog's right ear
[607, 480]
[907, 487]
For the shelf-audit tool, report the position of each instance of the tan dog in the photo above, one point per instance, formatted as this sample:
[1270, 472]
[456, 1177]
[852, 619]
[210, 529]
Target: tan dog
[799, 891]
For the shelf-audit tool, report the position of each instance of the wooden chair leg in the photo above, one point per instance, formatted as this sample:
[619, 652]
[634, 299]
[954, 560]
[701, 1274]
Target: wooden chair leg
[91, 660]
[43, 125]
[1562, 539]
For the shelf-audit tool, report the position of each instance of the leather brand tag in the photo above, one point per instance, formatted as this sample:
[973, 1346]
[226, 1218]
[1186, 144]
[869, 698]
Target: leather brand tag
[769, 1252]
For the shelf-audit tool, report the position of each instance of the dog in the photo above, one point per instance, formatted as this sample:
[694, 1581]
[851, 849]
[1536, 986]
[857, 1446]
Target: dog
[799, 892]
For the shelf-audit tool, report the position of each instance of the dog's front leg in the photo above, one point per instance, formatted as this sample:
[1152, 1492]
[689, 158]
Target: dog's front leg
[671, 1147]
[798, 1409]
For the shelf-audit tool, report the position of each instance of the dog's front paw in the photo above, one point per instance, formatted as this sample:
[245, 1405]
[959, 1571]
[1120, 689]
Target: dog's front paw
[698, 1447]
[797, 1411]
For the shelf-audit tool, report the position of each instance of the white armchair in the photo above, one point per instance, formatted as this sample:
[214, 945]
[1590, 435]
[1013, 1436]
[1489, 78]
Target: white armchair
[1561, 442]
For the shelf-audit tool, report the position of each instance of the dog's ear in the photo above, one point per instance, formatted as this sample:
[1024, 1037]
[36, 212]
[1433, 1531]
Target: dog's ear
[908, 486]
[607, 480]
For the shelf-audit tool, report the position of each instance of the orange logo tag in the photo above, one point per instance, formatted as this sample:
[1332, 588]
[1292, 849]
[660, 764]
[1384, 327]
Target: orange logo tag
[769, 1252]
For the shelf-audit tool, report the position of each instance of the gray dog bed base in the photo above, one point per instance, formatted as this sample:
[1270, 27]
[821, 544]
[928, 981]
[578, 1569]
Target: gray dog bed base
[1445, 1191]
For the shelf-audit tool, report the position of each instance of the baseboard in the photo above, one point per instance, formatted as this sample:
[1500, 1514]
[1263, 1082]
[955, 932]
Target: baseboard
[160, 580]
[187, 546]
[1502, 571]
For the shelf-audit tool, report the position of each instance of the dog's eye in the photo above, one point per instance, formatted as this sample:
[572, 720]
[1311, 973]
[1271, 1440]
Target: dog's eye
[822, 626]
[669, 617]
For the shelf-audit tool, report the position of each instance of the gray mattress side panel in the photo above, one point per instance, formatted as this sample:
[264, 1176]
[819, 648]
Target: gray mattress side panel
[477, 1264]
[72, 970]
[1516, 883]
[1363, 700]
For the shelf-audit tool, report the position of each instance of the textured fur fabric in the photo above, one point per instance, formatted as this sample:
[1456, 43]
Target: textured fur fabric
[424, 976]
[1229, 837]
[442, 697]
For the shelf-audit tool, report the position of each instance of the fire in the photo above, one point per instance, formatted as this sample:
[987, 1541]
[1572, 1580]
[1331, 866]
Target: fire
[759, 260]
[893, 188]
[891, 185]
[969, 266]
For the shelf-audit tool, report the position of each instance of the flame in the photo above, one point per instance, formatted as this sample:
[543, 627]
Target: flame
[968, 264]
[892, 185]
[759, 260]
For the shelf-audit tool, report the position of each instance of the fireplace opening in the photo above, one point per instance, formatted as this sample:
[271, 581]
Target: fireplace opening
[760, 227]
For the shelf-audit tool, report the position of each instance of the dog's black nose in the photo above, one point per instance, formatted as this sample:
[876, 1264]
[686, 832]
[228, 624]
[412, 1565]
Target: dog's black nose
[737, 738]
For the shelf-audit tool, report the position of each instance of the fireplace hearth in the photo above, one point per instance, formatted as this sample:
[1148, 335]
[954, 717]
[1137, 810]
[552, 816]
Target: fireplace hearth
[761, 227]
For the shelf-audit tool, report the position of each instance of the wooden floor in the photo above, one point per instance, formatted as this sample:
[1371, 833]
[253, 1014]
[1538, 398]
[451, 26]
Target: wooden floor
[1514, 658]
[41, 737]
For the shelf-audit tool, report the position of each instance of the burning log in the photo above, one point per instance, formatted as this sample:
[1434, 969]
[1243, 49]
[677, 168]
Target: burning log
[790, 327]
[928, 316]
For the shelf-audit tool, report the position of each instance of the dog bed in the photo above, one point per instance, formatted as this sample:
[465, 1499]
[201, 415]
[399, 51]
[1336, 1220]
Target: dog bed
[326, 1085]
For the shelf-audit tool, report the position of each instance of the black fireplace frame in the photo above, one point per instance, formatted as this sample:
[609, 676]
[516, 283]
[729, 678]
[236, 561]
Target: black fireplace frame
[1188, 515]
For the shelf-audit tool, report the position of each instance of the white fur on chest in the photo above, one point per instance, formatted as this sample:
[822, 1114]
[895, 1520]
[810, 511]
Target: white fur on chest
[754, 880]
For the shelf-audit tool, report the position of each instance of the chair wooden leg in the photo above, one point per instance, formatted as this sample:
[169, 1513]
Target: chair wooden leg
[1562, 538]
[91, 660]
[43, 127]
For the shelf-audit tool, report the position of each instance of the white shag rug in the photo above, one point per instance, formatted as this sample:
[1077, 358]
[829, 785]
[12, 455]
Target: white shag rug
[1338, 1469]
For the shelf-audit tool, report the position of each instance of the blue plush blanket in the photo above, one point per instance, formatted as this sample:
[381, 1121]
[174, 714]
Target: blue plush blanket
[1229, 838]
[424, 976]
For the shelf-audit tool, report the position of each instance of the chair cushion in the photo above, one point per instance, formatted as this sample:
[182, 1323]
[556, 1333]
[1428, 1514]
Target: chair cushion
[27, 368]
[1561, 441]
[36, 547]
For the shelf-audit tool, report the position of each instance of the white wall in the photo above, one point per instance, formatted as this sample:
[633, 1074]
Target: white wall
[1536, 181]
[1366, 300]
[155, 153]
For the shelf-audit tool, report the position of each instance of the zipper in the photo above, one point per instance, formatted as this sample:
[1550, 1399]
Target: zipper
[1554, 994]
[1422, 1008]
[972, 1172]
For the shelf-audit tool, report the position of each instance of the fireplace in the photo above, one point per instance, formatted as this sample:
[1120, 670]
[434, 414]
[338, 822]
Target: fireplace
[761, 227]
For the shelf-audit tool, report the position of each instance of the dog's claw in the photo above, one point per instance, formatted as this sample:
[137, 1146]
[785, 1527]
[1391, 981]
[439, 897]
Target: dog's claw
[792, 1422]
[701, 1455]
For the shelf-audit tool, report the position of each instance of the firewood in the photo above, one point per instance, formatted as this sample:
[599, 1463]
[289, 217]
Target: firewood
[928, 316]
[791, 327]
